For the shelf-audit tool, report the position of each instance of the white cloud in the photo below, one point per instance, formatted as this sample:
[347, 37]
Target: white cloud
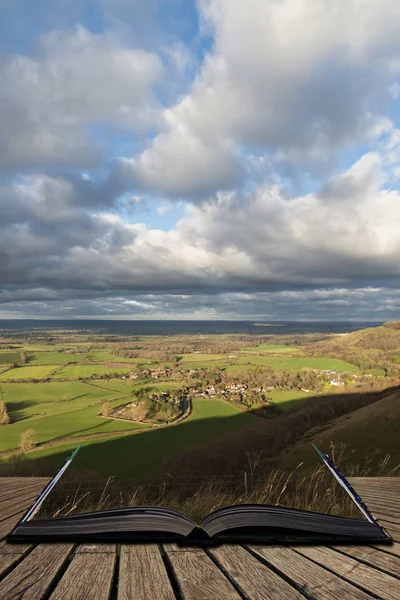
[295, 78]
[77, 80]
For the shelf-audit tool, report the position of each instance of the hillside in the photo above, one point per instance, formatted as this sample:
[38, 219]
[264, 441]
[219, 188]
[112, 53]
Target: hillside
[370, 349]
[371, 431]
[263, 444]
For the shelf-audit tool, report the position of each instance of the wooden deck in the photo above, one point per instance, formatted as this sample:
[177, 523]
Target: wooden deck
[125, 572]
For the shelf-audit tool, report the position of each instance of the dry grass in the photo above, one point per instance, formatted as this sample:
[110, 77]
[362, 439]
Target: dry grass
[315, 491]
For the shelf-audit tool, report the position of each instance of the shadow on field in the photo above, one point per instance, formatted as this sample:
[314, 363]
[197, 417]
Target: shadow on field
[203, 447]
[16, 410]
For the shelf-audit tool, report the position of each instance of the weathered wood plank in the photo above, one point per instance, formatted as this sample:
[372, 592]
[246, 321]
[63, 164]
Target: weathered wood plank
[381, 508]
[22, 500]
[255, 579]
[392, 528]
[6, 548]
[311, 579]
[96, 549]
[199, 578]
[383, 585]
[11, 490]
[7, 525]
[32, 578]
[393, 548]
[16, 507]
[88, 577]
[374, 557]
[142, 574]
[8, 484]
[10, 554]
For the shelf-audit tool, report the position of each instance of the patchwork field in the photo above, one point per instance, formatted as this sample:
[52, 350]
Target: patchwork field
[38, 372]
[56, 410]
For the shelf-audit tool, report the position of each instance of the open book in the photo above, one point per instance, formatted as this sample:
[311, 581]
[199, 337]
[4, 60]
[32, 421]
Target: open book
[245, 523]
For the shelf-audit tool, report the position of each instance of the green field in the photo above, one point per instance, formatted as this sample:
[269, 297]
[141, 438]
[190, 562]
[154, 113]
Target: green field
[198, 357]
[270, 348]
[296, 363]
[38, 372]
[8, 358]
[56, 410]
[54, 358]
[289, 399]
[143, 454]
[87, 371]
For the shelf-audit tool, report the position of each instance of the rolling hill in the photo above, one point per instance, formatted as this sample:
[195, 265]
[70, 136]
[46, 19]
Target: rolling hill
[371, 431]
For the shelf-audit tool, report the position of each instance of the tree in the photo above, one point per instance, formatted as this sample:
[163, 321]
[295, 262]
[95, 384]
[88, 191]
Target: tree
[4, 416]
[28, 440]
[105, 410]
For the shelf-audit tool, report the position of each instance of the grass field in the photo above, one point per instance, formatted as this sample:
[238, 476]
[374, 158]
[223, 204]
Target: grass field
[38, 372]
[295, 363]
[143, 454]
[289, 399]
[270, 348]
[77, 422]
[53, 358]
[9, 358]
[75, 371]
[198, 357]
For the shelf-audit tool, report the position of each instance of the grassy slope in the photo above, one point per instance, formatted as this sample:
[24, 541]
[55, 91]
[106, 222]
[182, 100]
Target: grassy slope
[373, 428]
[142, 455]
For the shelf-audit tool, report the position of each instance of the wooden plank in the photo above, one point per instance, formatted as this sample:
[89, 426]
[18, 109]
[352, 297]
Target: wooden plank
[33, 577]
[23, 499]
[374, 557]
[8, 484]
[389, 482]
[7, 525]
[10, 554]
[313, 580]
[142, 574]
[20, 490]
[96, 549]
[16, 507]
[253, 577]
[393, 548]
[370, 579]
[88, 577]
[392, 528]
[199, 578]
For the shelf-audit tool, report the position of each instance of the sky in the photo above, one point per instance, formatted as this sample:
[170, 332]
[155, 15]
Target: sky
[218, 159]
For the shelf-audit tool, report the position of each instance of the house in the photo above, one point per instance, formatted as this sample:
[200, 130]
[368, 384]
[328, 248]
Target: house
[134, 375]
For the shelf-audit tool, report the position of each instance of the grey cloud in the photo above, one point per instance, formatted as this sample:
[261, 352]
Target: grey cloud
[263, 241]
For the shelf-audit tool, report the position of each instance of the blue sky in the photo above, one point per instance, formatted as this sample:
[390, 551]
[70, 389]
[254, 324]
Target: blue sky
[210, 159]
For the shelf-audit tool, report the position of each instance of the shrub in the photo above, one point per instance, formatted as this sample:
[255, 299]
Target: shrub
[28, 440]
[105, 410]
